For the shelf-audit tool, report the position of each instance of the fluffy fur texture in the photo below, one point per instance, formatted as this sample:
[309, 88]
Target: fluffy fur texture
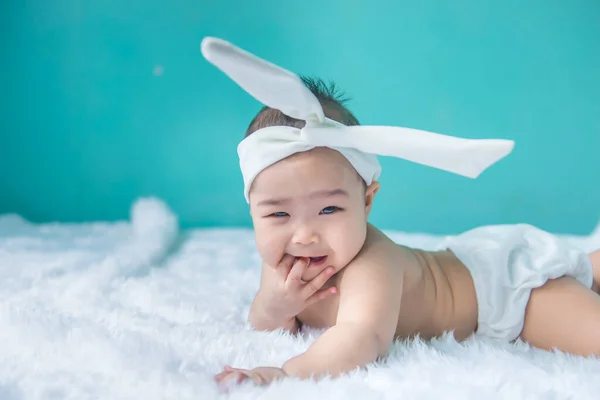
[139, 309]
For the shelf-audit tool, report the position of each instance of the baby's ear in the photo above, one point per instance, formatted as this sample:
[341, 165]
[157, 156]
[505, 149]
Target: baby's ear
[370, 193]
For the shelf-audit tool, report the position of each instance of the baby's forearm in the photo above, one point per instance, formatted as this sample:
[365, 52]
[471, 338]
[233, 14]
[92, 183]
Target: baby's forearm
[340, 349]
[262, 321]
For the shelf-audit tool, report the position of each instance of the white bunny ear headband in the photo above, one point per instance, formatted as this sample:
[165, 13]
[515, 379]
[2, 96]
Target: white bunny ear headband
[283, 90]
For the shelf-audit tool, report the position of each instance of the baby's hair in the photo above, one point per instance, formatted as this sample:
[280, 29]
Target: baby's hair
[332, 99]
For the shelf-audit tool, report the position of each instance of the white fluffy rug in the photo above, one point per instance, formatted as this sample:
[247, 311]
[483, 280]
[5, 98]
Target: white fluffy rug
[139, 310]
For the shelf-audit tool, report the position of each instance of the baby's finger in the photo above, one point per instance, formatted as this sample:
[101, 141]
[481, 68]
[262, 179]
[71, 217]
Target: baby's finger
[218, 377]
[318, 281]
[295, 275]
[240, 377]
[285, 265]
[232, 378]
[222, 375]
[286, 261]
[321, 295]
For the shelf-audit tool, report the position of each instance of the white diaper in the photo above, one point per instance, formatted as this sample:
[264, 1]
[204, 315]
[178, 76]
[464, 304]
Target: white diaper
[507, 262]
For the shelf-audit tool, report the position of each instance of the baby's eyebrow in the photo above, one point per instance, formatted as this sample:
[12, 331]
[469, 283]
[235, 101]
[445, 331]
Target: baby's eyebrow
[329, 193]
[318, 193]
[273, 202]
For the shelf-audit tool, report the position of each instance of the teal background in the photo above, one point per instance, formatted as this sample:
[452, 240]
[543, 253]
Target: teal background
[104, 101]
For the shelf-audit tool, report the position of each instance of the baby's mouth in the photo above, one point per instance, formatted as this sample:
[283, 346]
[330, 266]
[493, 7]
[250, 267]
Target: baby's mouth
[314, 261]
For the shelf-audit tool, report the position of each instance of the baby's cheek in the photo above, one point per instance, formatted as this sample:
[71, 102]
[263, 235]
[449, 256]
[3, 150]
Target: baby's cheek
[269, 247]
[351, 238]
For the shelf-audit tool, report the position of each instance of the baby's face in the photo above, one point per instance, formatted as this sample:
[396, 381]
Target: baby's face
[311, 204]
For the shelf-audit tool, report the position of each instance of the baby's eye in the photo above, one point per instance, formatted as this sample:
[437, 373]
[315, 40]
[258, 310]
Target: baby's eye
[330, 210]
[279, 214]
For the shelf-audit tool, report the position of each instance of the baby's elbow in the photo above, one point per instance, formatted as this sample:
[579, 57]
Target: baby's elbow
[383, 343]
[384, 336]
[374, 343]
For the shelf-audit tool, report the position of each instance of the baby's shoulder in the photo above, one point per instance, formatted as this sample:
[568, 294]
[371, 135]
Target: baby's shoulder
[380, 260]
[381, 250]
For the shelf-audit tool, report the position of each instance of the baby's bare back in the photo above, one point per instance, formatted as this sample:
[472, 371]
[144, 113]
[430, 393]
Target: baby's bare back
[437, 290]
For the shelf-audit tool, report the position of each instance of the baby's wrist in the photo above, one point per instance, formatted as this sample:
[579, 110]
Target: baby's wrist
[273, 312]
[268, 318]
[282, 320]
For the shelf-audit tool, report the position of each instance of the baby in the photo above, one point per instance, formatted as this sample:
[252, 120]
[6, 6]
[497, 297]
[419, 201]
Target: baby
[326, 266]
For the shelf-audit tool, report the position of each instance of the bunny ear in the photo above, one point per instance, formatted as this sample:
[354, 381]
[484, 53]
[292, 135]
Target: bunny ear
[467, 157]
[283, 90]
[272, 85]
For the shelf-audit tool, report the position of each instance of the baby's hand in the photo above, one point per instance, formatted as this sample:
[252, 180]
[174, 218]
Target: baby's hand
[259, 376]
[288, 294]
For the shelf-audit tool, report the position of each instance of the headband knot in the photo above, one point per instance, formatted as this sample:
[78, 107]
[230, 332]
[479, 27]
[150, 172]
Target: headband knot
[283, 90]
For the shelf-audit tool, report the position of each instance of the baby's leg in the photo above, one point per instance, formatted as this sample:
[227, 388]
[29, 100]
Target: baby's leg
[565, 315]
[595, 257]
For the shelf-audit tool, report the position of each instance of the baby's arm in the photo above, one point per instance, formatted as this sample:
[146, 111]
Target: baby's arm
[370, 295]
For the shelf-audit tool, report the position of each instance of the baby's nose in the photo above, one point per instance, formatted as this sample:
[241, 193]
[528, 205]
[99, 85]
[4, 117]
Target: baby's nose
[305, 235]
